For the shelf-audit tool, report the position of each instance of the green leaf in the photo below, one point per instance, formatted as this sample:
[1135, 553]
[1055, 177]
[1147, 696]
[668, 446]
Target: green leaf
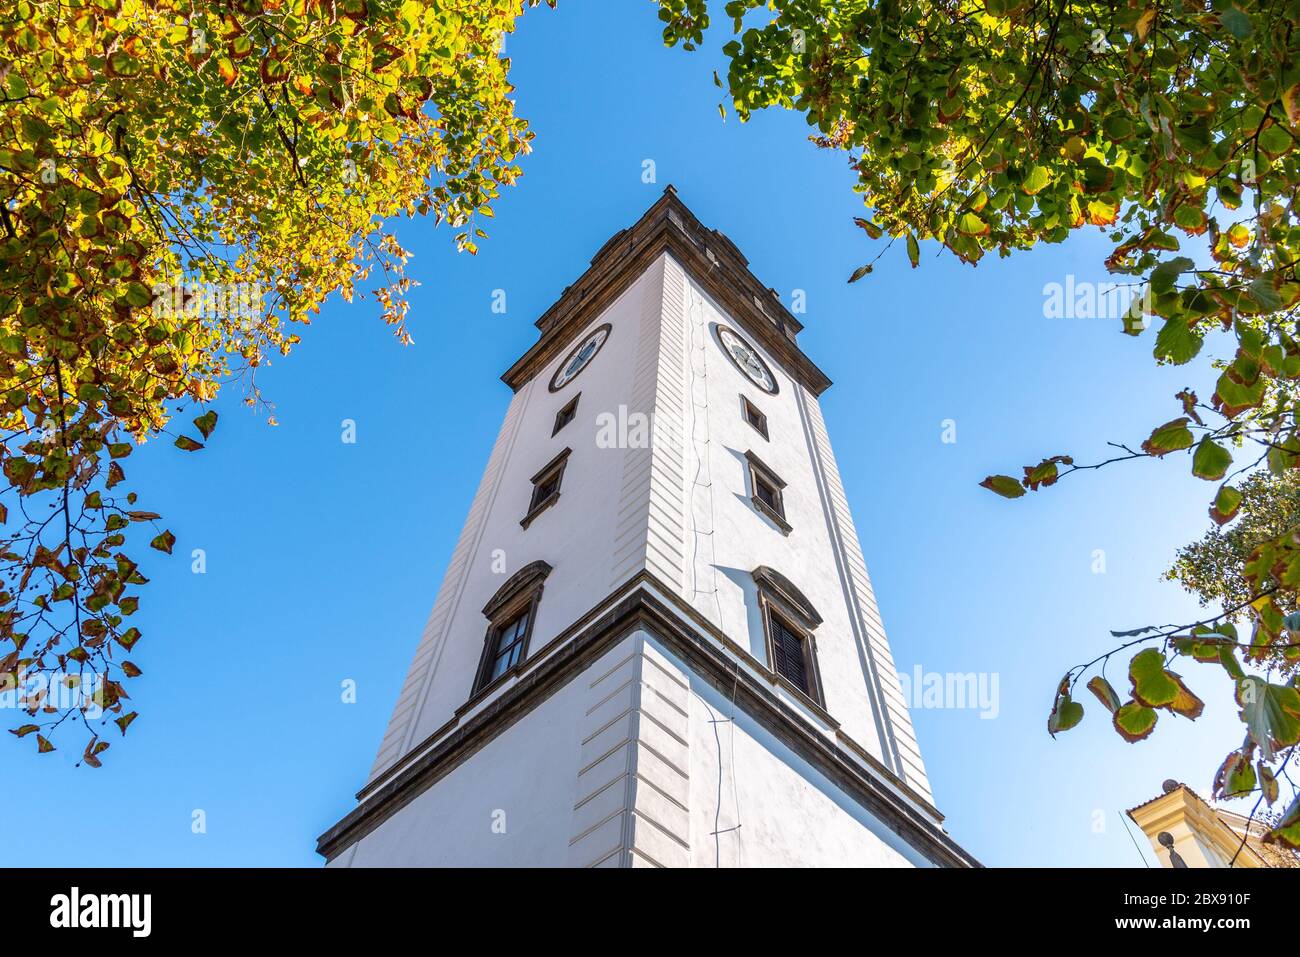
[1066, 713]
[1236, 23]
[1176, 342]
[1045, 472]
[1225, 505]
[1155, 687]
[1262, 291]
[1236, 777]
[1271, 714]
[1173, 436]
[1036, 180]
[1164, 276]
[872, 230]
[138, 294]
[1267, 783]
[188, 444]
[163, 542]
[1004, 485]
[1210, 461]
[1287, 831]
[1147, 673]
[1134, 721]
[860, 272]
[913, 250]
[206, 423]
[972, 225]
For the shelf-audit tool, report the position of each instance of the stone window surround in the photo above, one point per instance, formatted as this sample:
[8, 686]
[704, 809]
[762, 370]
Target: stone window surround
[752, 414]
[778, 596]
[568, 412]
[552, 469]
[759, 471]
[521, 592]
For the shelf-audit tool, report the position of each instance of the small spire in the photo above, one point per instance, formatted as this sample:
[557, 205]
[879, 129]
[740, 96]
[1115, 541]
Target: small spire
[670, 188]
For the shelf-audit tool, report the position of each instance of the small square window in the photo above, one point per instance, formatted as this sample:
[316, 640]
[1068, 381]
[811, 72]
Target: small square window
[566, 414]
[766, 492]
[546, 487]
[753, 416]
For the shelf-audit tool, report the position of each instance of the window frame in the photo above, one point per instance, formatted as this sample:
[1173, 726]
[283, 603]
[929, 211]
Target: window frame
[538, 503]
[793, 623]
[521, 594]
[749, 411]
[780, 600]
[492, 650]
[761, 472]
[570, 409]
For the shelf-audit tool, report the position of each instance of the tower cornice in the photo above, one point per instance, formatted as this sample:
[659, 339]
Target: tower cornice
[644, 602]
[712, 259]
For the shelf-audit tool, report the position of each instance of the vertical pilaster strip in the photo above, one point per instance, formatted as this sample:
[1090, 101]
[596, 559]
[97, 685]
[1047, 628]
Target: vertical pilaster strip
[651, 508]
[631, 802]
[894, 722]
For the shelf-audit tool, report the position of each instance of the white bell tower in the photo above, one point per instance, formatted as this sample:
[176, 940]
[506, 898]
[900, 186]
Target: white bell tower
[656, 643]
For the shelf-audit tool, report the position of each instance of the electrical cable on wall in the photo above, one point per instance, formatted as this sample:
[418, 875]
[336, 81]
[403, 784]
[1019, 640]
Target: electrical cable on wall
[701, 450]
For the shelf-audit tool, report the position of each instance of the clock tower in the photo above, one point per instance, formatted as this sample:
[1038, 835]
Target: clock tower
[656, 643]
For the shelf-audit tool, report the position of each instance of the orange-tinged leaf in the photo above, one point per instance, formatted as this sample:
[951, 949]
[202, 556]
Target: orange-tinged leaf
[1144, 23]
[1134, 721]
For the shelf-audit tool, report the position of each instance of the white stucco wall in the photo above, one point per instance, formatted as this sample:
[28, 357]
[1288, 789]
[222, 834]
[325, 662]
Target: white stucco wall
[579, 535]
[729, 537]
[634, 762]
[523, 779]
[682, 511]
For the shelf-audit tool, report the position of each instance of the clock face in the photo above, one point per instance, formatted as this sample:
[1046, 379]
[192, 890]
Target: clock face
[577, 359]
[747, 360]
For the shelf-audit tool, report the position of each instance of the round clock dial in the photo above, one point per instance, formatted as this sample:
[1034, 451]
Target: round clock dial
[747, 360]
[577, 360]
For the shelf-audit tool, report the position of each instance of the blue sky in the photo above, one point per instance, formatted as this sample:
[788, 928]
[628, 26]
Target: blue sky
[323, 559]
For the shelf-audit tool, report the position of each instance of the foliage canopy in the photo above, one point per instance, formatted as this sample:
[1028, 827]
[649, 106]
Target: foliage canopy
[182, 184]
[1170, 125]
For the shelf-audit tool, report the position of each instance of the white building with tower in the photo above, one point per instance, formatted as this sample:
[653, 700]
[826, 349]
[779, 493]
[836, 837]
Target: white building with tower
[656, 643]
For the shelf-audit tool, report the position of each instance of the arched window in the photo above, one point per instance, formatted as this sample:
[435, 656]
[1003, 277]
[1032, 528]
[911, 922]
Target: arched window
[510, 614]
[789, 619]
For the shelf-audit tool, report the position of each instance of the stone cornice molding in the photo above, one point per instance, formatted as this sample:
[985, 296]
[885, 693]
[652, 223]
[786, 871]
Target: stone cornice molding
[645, 605]
[710, 258]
